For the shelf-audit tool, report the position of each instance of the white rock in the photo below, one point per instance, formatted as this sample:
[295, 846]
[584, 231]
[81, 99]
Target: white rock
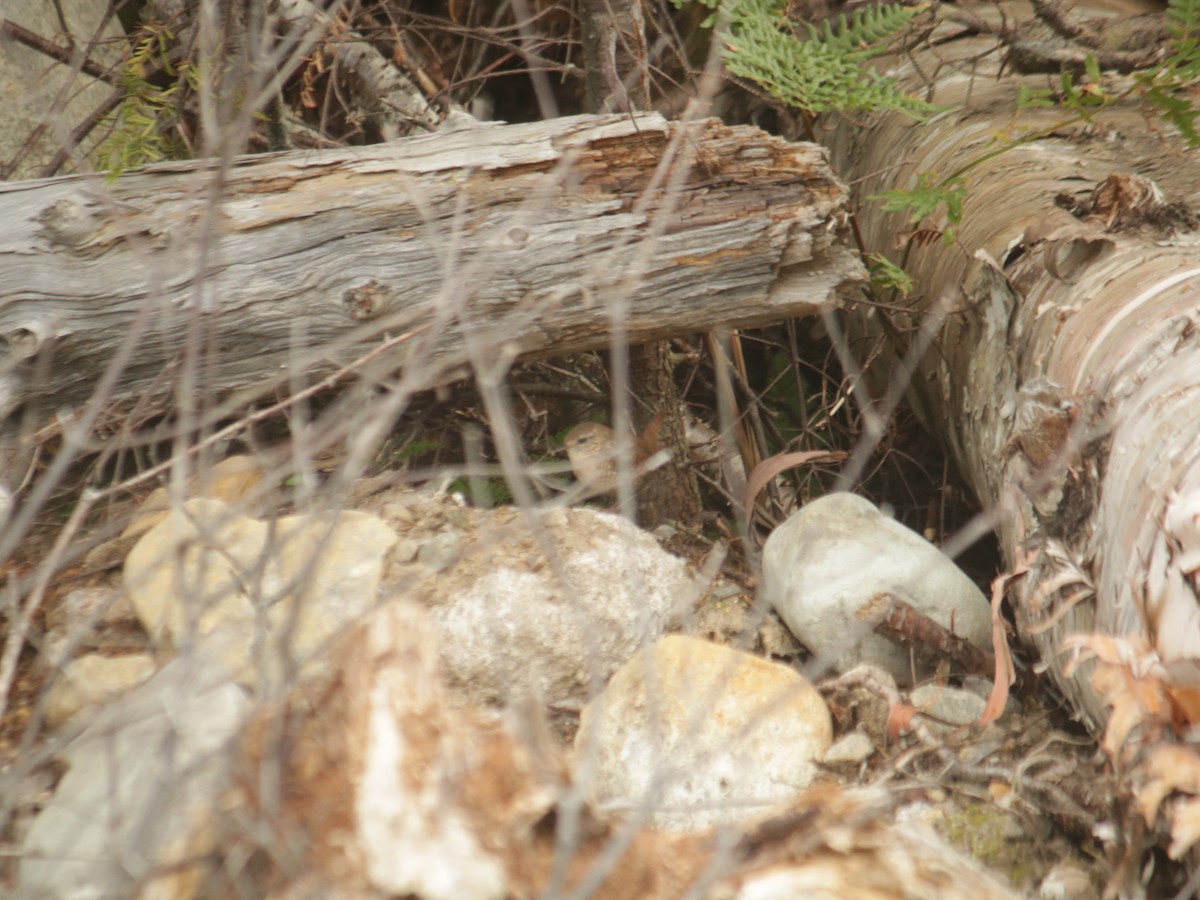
[513, 622]
[242, 585]
[1067, 881]
[141, 784]
[692, 734]
[92, 680]
[850, 749]
[391, 787]
[835, 554]
[948, 705]
[415, 840]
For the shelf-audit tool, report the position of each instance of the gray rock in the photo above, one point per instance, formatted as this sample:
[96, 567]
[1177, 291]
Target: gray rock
[691, 734]
[441, 551]
[947, 705]
[849, 750]
[550, 616]
[1067, 881]
[835, 554]
[141, 783]
[86, 607]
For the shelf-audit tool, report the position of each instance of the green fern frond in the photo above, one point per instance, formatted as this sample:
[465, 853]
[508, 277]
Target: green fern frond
[138, 127]
[1183, 20]
[1183, 17]
[823, 73]
[1171, 86]
[865, 29]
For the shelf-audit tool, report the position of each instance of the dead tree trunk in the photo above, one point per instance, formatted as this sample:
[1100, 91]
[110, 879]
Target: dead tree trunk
[614, 51]
[507, 241]
[1064, 378]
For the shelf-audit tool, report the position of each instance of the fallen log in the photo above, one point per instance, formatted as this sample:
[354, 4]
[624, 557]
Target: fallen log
[1063, 382]
[483, 243]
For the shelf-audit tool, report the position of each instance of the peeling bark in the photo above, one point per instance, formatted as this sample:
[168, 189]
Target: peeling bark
[1064, 381]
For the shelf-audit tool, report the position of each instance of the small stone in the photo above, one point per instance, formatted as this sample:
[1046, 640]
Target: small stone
[665, 531]
[982, 687]
[851, 749]
[405, 550]
[724, 592]
[776, 639]
[400, 513]
[110, 554]
[441, 551]
[151, 511]
[1066, 881]
[230, 480]
[947, 705]
[89, 606]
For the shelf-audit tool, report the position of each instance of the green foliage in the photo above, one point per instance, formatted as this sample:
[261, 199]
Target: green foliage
[1085, 98]
[886, 275]
[497, 490]
[1035, 98]
[1170, 86]
[1183, 20]
[823, 73]
[930, 195]
[415, 448]
[139, 128]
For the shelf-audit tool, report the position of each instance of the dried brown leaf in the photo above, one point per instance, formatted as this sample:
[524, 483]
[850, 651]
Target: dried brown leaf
[766, 471]
[899, 720]
[1185, 826]
[1005, 670]
[1168, 767]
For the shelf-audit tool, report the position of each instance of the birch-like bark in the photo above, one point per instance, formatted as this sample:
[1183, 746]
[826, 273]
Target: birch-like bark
[1066, 377]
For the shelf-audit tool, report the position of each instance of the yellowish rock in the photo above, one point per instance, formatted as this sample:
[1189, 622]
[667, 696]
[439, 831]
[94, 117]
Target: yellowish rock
[92, 680]
[693, 734]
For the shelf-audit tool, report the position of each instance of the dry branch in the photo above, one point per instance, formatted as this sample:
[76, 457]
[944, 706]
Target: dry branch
[489, 242]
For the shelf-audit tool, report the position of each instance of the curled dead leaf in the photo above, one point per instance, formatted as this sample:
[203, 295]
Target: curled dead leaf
[1006, 672]
[899, 720]
[766, 471]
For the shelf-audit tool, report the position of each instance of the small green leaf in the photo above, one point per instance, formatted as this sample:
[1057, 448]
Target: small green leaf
[925, 199]
[1034, 98]
[888, 275]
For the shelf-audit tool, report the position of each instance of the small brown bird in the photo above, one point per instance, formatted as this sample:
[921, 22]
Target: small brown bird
[592, 450]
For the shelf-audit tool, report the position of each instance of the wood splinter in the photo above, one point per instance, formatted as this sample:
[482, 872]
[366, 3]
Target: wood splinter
[898, 621]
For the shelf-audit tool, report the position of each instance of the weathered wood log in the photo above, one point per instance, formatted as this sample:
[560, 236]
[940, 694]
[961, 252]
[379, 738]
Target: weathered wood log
[1064, 380]
[481, 243]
